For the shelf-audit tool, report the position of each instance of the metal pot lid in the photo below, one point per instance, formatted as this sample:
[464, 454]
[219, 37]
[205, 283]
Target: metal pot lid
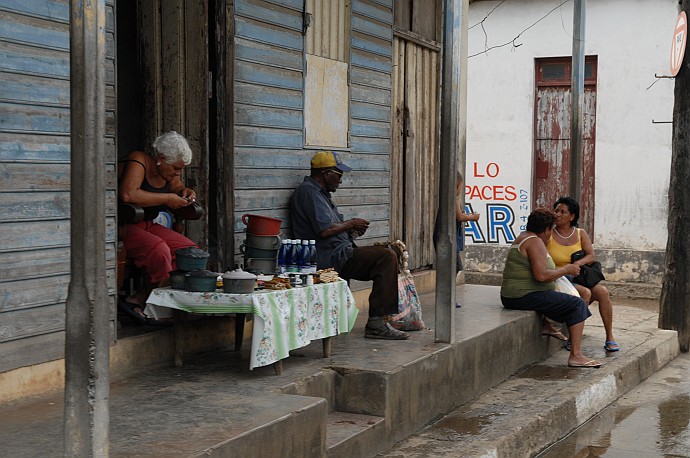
[239, 274]
[203, 274]
[192, 252]
[179, 272]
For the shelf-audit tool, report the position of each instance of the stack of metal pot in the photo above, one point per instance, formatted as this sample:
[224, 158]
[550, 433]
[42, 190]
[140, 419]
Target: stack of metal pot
[262, 243]
[191, 273]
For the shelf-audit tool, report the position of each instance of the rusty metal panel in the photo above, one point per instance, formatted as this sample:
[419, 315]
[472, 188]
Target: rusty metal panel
[552, 149]
[35, 164]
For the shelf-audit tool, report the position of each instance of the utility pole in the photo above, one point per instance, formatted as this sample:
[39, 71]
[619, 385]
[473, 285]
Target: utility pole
[453, 139]
[578, 99]
[674, 306]
[87, 314]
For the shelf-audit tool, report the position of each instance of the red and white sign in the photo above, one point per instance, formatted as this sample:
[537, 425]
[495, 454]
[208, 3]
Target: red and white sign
[680, 37]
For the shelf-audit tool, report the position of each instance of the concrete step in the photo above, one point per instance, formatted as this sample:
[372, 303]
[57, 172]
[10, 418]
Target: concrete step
[542, 404]
[348, 434]
[368, 396]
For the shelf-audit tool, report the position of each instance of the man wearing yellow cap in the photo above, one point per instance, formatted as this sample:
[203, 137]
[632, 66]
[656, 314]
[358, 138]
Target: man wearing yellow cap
[313, 215]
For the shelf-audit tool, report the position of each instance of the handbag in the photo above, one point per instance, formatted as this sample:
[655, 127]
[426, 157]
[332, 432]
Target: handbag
[590, 274]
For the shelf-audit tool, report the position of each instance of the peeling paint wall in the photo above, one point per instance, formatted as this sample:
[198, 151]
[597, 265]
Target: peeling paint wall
[633, 155]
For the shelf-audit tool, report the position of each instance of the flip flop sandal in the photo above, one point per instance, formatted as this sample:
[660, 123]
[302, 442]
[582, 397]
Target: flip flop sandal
[611, 346]
[556, 335]
[128, 309]
[591, 363]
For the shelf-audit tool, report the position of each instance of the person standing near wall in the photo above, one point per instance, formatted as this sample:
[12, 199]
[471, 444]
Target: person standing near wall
[461, 217]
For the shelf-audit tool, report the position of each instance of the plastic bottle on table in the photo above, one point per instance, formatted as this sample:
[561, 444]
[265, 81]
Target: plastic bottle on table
[282, 256]
[292, 258]
[312, 256]
[304, 257]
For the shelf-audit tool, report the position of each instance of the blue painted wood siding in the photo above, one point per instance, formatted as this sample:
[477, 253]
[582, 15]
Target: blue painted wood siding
[35, 177]
[270, 158]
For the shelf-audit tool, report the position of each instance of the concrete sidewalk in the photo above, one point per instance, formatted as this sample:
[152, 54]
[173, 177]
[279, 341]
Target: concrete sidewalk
[542, 404]
[369, 395]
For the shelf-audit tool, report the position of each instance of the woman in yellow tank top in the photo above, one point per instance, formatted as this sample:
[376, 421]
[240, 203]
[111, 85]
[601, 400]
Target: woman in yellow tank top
[566, 239]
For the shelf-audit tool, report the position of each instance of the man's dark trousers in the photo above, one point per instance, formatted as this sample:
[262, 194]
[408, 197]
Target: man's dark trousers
[379, 264]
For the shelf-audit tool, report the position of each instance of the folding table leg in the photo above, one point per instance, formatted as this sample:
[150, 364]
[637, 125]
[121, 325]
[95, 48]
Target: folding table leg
[179, 328]
[239, 330]
[327, 346]
[278, 367]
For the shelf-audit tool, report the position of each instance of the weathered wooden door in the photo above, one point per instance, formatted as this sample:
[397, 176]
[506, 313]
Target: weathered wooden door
[552, 136]
[415, 152]
[173, 47]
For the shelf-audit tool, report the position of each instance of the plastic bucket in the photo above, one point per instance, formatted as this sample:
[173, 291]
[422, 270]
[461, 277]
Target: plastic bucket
[261, 225]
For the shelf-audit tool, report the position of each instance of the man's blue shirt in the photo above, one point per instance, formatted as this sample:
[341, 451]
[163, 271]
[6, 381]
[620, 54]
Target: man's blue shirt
[311, 212]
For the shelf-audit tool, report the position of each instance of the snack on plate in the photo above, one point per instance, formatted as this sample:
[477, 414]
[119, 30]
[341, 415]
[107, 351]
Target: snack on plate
[277, 283]
[327, 275]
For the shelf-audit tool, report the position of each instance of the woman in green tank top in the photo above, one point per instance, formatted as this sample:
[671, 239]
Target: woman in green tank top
[528, 284]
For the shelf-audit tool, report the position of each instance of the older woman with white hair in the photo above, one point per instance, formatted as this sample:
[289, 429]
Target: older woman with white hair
[153, 182]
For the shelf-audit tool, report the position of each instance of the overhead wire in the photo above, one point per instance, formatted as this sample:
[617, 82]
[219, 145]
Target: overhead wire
[515, 45]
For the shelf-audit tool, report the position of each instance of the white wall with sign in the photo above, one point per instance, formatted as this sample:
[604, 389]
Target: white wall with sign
[632, 153]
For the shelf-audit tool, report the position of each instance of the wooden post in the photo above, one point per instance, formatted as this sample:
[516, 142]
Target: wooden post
[674, 307]
[87, 314]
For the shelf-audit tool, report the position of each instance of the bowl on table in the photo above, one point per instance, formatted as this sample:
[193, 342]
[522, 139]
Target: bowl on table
[261, 225]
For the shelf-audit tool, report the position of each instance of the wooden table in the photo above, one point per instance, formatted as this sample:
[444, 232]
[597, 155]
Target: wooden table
[283, 319]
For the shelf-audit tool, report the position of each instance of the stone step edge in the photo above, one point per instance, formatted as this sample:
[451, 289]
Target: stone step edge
[344, 428]
[578, 404]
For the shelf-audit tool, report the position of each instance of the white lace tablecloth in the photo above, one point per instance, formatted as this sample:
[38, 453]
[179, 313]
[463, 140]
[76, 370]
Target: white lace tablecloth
[283, 320]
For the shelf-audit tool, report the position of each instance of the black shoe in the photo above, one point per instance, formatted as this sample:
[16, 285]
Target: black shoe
[386, 332]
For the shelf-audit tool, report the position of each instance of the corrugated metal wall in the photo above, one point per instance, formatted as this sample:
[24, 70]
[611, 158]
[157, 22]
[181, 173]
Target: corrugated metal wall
[35, 177]
[328, 34]
[270, 158]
